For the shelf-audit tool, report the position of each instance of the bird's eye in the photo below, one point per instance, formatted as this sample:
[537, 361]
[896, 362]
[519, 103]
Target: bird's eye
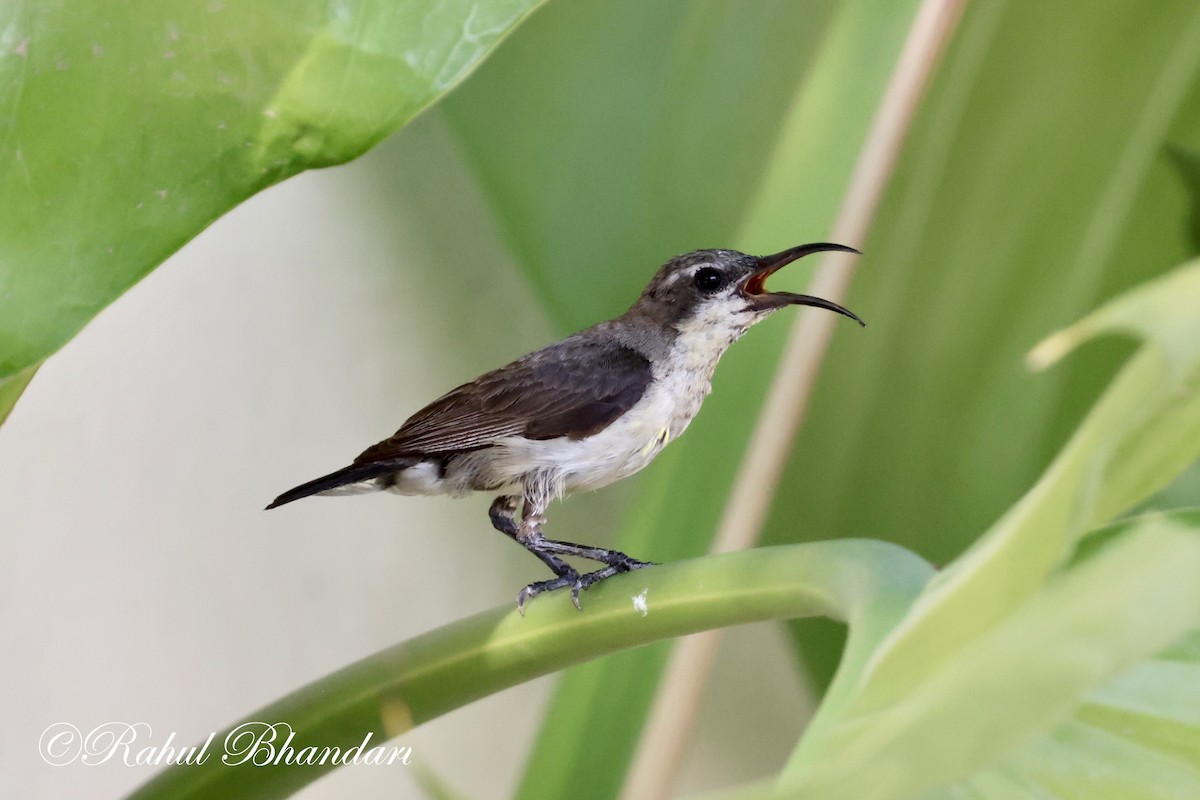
[709, 279]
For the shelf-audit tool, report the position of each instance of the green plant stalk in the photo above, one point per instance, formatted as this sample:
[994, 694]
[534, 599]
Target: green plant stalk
[868, 584]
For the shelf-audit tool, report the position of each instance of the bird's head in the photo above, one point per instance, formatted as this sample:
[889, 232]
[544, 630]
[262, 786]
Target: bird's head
[715, 290]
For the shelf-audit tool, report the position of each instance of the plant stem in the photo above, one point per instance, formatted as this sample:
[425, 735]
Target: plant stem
[869, 584]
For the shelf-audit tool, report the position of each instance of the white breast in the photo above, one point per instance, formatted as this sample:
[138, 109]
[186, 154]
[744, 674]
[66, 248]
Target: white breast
[553, 467]
[631, 442]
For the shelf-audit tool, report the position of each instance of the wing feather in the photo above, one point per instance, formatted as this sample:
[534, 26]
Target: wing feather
[574, 389]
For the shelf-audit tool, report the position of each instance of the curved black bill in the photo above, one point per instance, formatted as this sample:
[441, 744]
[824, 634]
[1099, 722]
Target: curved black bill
[786, 257]
[755, 286]
[780, 299]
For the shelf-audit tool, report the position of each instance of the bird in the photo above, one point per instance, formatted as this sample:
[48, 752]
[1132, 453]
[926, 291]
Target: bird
[581, 413]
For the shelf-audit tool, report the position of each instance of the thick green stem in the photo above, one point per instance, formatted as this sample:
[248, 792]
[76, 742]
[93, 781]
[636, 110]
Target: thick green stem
[865, 583]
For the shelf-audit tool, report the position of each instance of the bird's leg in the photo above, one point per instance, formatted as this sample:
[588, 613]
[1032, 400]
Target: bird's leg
[504, 515]
[528, 535]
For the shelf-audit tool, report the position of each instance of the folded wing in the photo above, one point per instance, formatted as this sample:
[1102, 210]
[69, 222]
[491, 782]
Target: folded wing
[574, 389]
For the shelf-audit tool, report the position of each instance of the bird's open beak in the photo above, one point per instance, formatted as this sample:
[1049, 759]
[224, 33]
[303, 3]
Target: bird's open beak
[754, 288]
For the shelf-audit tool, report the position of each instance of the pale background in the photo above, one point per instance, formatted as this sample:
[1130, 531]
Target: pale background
[142, 582]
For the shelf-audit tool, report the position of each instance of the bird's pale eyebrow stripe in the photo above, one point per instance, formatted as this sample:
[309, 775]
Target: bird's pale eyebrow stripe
[688, 273]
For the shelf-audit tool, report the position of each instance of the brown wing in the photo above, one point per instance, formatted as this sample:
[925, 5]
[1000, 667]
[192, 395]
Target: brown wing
[575, 388]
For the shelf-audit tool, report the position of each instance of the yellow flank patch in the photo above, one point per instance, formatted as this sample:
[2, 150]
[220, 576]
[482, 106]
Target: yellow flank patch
[658, 442]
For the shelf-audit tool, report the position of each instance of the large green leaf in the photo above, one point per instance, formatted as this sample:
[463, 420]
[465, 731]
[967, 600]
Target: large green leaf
[126, 129]
[1034, 185]
[985, 631]
[11, 388]
[1088, 625]
[648, 93]
[1142, 433]
[1135, 738]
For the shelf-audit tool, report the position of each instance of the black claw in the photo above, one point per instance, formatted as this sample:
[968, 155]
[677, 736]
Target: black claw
[541, 587]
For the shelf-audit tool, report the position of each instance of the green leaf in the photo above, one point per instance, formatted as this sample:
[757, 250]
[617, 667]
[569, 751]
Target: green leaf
[868, 584]
[1187, 163]
[1034, 185]
[1091, 623]
[642, 185]
[11, 388]
[987, 629]
[131, 128]
[1154, 422]
[1135, 738]
[1142, 433]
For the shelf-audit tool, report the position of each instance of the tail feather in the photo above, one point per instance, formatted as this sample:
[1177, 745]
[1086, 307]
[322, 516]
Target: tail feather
[355, 473]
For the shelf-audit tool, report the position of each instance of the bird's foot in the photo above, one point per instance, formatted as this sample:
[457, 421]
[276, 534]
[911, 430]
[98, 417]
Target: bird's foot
[578, 583]
[610, 558]
[586, 581]
[619, 563]
[541, 587]
[624, 563]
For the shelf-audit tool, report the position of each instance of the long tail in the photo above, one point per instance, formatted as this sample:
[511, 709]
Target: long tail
[355, 473]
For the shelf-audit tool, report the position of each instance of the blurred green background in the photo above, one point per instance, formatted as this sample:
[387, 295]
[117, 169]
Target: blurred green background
[1051, 166]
